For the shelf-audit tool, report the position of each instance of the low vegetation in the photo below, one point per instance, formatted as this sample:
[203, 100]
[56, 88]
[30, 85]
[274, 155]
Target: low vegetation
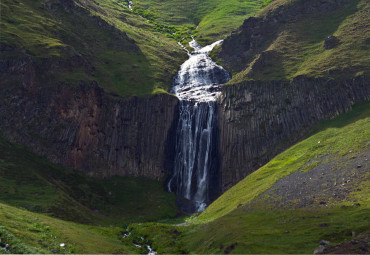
[297, 48]
[121, 50]
[213, 19]
[31, 182]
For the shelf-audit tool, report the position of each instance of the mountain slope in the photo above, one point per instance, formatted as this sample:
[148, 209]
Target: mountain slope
[290, 38]
[212, 19]
[69, 41]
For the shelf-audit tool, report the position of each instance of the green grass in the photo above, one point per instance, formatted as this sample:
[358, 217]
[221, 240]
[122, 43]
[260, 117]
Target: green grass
[28, 232]
[299, 46]
[139, 64]
[214, 19]
[278, 231]
[347, 134]
[31, 182]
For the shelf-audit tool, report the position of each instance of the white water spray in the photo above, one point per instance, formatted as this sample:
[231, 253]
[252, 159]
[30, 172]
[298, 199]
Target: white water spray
[197, 85]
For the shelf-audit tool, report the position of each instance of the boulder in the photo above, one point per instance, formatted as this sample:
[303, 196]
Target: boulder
[331, 42]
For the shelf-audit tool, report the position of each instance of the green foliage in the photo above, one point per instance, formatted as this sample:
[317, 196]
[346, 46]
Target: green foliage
[267, 2]
[134, 65]
[31, 182]
[28, 232]
[213, 19]
[278, 231]
[10, 244]
[163, 238]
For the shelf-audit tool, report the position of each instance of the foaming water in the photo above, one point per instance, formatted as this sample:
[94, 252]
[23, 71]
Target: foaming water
[197, 85]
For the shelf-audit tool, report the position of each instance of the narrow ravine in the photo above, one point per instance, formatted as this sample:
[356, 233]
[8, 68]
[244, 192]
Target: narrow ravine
[197, 85]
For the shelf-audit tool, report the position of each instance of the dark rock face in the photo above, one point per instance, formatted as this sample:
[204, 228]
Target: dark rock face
[331, 42]
[84, 128]
[258, 120]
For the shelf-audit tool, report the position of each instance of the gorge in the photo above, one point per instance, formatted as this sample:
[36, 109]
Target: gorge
[200, 126]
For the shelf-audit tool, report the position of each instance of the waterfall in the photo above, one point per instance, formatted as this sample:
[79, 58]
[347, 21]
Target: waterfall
[197, 85]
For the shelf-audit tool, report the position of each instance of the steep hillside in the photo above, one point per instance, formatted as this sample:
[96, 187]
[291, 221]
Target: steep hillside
[25, 232]
[212, 19]
[69, 41]
[31, 182]
[293, 38]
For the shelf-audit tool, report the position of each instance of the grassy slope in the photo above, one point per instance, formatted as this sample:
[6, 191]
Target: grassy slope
[28, 232]
[34, 31]
[300, 46]
[30, 181]
[215, 18]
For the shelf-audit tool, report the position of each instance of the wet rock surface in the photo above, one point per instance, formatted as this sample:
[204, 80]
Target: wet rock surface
[258, 120]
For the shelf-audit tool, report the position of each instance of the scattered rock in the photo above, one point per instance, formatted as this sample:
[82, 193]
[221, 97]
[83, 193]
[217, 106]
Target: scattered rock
[324, 242]
[319, 250]
[356, 246]
[331, 42]
[359, 166]
[175, 231]
[363, 248]
[230, 248]
[322, 202]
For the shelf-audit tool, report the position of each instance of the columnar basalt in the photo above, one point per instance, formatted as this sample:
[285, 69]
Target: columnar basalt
[84, 128]
[258, 120]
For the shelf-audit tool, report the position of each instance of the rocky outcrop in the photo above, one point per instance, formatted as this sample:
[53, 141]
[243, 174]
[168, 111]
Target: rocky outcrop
[331, 42]
[84, 128]
[258, 120]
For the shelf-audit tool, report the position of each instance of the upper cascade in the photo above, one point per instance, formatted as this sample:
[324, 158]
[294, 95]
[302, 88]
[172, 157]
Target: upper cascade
[199, 78]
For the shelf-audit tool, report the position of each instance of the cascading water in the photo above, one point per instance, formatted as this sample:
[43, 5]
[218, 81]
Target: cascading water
[197, 85]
